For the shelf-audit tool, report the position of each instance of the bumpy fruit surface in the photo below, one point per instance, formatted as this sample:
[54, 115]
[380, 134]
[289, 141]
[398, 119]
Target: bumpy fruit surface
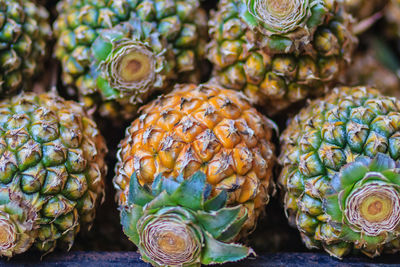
[339, 172]
[178, 27]
[279, 68]
[201, 128]
[24, 32]
[52, 170]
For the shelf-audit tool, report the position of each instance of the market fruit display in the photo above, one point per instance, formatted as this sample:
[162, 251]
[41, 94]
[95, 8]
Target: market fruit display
[185, 87]
[176, 222]
[52, 172]
[340, 175]
[279, 53]
[157, 29]
[202, 128]
[24, 33]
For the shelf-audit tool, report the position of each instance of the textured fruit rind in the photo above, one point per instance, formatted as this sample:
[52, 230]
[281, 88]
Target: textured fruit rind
[201, 128]
[52, 158]
[331, 132]
[25, 32]
[181, 23]
[276, 81]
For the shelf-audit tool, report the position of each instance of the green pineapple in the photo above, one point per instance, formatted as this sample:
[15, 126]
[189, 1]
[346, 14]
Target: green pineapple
[116, 53]
[340, 172]
[24, 33]
[279, 53]
[51, 172]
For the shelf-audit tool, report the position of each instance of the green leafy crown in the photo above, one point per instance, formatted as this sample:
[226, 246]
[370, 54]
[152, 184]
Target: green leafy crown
[284, 23]
[185, 208]
[113, 44]
[365, 203]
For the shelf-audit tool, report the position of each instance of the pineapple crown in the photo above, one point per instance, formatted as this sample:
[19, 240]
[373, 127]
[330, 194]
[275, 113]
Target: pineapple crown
[129, 61]
[176, 222]
[365, 202]
[18, 223]
[286, 24]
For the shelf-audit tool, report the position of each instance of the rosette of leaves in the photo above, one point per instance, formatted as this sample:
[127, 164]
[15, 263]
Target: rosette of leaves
[364, 206]
[340, 192]
[288, 25]
[181, 24]
[131, 60]
[277, 66]
[177, 222]
[18, 223]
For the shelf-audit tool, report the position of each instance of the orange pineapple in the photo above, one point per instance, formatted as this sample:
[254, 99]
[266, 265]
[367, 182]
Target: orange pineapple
[202, 128]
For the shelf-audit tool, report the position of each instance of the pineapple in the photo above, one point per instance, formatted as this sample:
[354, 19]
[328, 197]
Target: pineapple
[278, 56]
[115, 53]
[199, 128]
[24, 32]
[51, 172]
[340, 175]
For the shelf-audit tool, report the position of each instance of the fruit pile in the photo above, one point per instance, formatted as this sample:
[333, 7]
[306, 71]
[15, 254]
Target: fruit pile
[185, 118]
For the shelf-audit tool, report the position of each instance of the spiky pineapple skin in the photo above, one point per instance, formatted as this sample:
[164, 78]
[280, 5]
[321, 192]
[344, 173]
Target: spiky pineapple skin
[181, 23]
[326, 135]
[25, 31]
[277, 80]
[52, 158]
[201, 128]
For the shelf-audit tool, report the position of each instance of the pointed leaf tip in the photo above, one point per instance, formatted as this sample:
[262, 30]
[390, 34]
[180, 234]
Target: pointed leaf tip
[162, 200]
[156, 187]
[232, 231]
[217, 202]
[215, 251]
[190, 192]
[207, 191]
[137, 193]
[129, 218]
[217, 222]
[351, 173]
[169, 185]
[382, 162]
